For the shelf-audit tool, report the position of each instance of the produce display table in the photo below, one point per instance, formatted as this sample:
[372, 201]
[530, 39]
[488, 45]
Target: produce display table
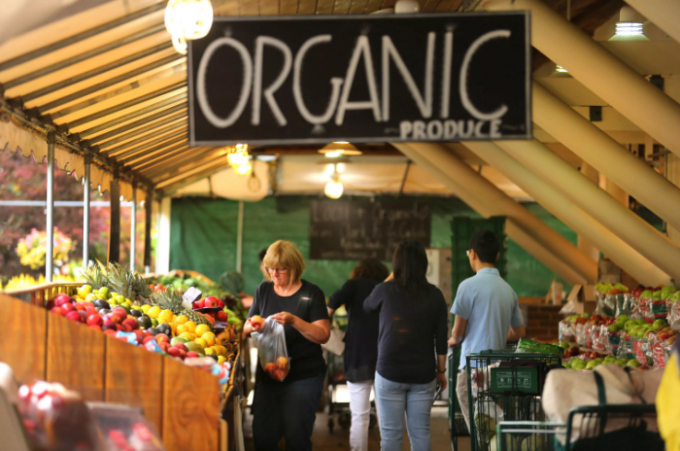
[181, 401]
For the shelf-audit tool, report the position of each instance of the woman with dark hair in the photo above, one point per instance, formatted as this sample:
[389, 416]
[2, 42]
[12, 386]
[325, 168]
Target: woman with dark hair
[412, 330]
[361, 344]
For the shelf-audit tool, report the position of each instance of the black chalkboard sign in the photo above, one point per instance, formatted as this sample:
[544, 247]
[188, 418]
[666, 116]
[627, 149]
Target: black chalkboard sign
[352, 230]
[361, 78]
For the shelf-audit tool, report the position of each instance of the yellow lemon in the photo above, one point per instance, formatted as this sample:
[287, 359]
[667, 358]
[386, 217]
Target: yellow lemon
[221, 359]
[210, 351]
[201, 342]
[201, 329]
[209, 337]
[182, 328]
[221, 350]
[145, 308]
[181, 319]
[191, 326]
[154, 311]
[162, 321]
[167, 315]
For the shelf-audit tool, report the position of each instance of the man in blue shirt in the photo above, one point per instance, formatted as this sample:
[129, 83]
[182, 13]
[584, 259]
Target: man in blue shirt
[486, 308]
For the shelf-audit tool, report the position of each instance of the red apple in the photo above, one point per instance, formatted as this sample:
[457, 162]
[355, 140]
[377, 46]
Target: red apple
[57, 311]
[173, 351]
[119, 327]
[162, 338]
[91, 311]
[270, 367]
[66, 307]
[182, 354]
[79, 306]
[279, 375]
[62, 298]
[73, 316]
[198, 304]
[193, 354]
[220, 303]
[282, 363]
[131, 323]
[222, 316]
[256, 321]
[181, 347]
[164, 346]
[139, 335]
[94, 320]
[210, 301]
[125, 327]
[83, 315]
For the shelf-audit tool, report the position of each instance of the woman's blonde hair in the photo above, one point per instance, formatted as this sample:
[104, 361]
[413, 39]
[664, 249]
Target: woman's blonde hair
[285, 254]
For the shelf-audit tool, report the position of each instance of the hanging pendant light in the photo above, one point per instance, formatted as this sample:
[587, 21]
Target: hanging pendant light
[188, 19]
[334, 186]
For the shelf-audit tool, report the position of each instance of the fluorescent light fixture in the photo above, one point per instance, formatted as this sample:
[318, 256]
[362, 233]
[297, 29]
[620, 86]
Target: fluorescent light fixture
[560, 69]
[629, 29]
[630, 26]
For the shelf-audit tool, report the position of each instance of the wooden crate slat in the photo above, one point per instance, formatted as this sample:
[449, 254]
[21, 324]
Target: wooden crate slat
[75, 357]
[24, 351]
[134, 376]
[190, 408]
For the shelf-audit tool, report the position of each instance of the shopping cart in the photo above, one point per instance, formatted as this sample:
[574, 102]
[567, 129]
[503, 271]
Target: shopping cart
[504, 386]
[589, 425]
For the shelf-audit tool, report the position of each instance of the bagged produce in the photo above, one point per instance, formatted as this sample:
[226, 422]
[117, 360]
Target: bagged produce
[527, 345]
[272, 349]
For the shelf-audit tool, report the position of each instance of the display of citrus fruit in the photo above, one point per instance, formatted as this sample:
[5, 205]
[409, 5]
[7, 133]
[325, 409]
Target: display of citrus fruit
[201, 329]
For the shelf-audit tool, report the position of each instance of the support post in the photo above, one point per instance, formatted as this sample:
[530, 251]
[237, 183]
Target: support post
[133, 228]
[148, 204]
[570, 213]
[114, 226]
[583, 243]
[239, 238]
[49, 210]
[86, 211]
[606, 155]
[163, 241]
[598, 70]
[488, 207]
[599, 209]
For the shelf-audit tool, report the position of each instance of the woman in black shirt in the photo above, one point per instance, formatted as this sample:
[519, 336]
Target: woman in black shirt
[288, 409]
[412, 330]
[361, 344]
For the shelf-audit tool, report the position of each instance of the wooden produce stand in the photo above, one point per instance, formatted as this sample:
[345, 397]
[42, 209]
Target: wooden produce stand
[182, 402]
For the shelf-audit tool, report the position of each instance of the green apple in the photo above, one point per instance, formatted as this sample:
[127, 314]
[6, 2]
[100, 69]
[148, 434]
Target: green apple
[577, 364]
[614, 328]
[622, 319]
[659, 324]
[633, 362]
[104, 291]
[646, 294]
[592, 364]
[621, 362]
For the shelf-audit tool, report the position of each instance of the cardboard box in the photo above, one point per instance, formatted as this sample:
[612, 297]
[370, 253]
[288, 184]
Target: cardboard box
[581, 299]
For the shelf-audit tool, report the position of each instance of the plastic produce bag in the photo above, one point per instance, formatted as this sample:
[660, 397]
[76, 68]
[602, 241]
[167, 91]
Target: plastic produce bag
[272, 349]
[527, 345]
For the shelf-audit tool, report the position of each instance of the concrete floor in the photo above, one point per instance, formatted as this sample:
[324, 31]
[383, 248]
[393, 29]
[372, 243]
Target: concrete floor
[339, 440]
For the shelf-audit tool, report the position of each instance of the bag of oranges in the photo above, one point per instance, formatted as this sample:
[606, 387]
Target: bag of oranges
[272, 349]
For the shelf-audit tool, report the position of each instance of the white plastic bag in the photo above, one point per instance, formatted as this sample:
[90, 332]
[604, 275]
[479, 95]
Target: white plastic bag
[272, 349]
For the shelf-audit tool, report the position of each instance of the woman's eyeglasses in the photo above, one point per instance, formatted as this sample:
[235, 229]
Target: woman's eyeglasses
[278, 270]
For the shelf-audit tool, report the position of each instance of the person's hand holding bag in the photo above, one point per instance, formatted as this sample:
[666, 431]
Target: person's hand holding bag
[270, 340]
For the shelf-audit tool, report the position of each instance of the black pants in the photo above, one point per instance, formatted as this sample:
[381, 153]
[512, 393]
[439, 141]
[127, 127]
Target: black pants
[286, 410]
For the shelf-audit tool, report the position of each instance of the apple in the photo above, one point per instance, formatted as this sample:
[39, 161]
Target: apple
[83, 315]
[210, 301]
[94, 320]
[164, 346]
[181, 347]
[182, 354]
[58, 311]
[198, 304]
[139, 335]
[91, 311]
[279, 375]
[222, 316]
[79, 306]
[256, 321]
[131, 323]
[193, 354]
[61, 299]
[270, 367]
[162, 338]
[282, 363]
[66, 307]
[220, 303]
[173, 351]
[73, 316]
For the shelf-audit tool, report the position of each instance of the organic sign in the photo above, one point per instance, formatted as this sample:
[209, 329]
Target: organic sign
[318, 79]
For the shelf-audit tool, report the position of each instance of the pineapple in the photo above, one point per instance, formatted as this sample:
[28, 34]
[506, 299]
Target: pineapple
[171, 300]
[95, 276]
[127, 283]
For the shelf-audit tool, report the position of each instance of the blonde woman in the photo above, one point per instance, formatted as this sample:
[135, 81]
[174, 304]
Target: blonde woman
[288, 409]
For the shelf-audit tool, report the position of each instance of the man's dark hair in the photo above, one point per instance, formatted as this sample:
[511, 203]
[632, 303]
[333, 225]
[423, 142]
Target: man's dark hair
[409, 264]
[370, 268]
[262, 253]
[486, 245]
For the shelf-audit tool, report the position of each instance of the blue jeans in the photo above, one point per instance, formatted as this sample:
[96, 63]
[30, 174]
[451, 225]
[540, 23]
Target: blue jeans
[394, 399]
[286, 410]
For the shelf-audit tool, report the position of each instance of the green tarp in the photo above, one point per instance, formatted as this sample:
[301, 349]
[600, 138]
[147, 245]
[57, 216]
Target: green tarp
[203, 238]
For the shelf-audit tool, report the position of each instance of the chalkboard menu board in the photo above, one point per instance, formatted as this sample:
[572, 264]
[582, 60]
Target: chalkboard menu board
[352, 230]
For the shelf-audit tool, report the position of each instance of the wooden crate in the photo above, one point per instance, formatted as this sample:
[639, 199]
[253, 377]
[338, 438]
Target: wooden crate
[182, 402]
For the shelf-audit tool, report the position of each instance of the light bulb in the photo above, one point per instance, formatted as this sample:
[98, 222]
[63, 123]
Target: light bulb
[189, 19]
[334, 188]
[561, 69]
[333, 154]
[628, 29]
[180, 44]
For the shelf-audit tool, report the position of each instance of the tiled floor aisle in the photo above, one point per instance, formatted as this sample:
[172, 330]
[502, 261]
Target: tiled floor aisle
[325, 441]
